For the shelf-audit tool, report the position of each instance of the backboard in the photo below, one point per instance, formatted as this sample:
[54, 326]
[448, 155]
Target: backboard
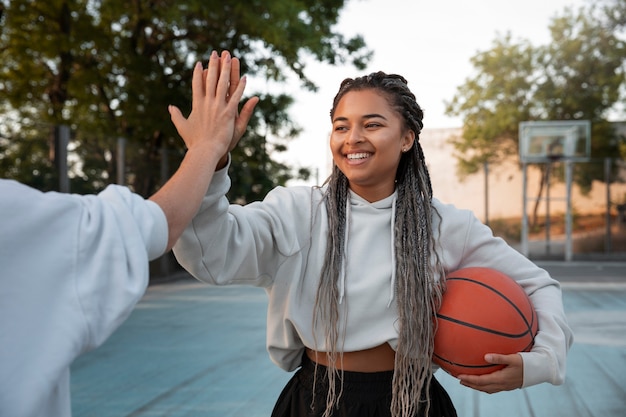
[555, 140]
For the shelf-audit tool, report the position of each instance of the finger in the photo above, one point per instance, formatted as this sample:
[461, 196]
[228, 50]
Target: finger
[212, 74]
[241, 123]
[485, 389]
[176, 116]
[237, 94]
[224, 78]
[510, 360]
[481, 380]
[247, 110]
[197, 85]
[495, 358]
[471, 380]
[479, 384]
[235, 73]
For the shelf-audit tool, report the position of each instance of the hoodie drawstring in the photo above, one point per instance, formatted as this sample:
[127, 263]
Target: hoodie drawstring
[392, 288]
[342, 273]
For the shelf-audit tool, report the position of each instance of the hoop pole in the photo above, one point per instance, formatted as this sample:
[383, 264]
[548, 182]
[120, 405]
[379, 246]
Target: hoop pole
[524, 237]
[607, 220]
[548, 223]
[486, 167]
[568, 216]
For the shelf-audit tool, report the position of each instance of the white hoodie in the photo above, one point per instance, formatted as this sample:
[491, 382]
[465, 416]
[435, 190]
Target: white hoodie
[279, 244]
[71, 270]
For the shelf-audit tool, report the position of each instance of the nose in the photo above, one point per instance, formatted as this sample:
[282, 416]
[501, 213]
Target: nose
[355, 136]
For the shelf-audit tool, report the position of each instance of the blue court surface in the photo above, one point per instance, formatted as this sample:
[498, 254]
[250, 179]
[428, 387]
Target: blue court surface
[190, 349]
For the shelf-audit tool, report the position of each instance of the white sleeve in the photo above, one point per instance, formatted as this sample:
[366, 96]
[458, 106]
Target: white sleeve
[73, 268]
[120, 232]
[232, 244]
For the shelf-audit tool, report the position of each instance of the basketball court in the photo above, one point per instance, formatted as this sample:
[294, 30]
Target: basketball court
[194, 350]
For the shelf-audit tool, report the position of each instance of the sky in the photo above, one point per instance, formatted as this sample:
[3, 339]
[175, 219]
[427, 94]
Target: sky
[429, 42]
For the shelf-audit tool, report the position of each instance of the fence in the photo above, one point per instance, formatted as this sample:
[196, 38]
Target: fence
[578, 222]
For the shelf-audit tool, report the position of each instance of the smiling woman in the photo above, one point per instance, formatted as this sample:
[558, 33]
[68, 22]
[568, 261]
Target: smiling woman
[355, 269]
[367, 140]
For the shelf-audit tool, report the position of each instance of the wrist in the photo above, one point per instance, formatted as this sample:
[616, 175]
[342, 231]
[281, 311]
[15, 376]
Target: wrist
[208, 157]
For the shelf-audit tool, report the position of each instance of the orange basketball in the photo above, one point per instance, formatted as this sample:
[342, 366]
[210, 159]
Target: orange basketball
[482, 311]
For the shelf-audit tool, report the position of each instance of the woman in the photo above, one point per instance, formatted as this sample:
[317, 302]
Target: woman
[354, 269]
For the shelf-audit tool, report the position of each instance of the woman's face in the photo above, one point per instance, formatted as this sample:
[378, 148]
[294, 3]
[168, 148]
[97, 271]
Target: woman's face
[367, 140]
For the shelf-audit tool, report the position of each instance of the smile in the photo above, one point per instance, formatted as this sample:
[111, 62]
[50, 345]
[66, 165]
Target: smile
[360, 155]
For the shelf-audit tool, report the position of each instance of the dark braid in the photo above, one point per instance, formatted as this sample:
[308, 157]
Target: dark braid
[417, 264]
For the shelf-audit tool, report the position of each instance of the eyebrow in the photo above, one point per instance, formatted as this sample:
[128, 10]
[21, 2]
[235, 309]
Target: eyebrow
[364, 117]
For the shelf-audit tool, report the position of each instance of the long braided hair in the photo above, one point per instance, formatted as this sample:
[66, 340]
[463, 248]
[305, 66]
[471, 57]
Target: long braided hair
[417, 264]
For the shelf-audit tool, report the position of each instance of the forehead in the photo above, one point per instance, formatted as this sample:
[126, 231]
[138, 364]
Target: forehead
[359, 102]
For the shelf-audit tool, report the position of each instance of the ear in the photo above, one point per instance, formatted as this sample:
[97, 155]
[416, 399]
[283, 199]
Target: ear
[407, 140]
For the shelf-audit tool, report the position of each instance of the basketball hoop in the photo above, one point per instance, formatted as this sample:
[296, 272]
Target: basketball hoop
[549, 141]
[546, 143]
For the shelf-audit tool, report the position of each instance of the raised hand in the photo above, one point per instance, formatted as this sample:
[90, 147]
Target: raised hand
[215, 123]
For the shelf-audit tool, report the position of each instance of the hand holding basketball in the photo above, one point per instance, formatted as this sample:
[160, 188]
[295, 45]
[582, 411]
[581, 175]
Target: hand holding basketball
[506, 379]
[483, 311]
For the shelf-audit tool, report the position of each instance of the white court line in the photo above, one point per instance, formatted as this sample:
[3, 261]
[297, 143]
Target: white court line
[597, 286]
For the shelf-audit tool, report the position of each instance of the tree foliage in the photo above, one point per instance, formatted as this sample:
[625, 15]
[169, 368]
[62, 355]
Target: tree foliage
[578, 76]
[493, 103]
[615, 13]
[109, 70]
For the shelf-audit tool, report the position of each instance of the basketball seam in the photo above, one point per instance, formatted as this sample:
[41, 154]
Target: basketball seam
[528, 325]
[485, 329]
[464, 365]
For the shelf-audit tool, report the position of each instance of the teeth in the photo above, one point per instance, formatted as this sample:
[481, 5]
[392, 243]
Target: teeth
[361, 155]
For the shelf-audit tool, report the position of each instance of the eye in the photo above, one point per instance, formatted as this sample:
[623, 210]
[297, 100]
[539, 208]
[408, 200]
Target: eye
[340, 128]
[372, 125]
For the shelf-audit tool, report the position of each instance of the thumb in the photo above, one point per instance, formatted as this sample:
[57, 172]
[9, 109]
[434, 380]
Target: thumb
[244, 116]
[176, 115]
[498, 359]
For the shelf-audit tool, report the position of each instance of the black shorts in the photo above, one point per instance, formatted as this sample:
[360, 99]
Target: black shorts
[365, 394]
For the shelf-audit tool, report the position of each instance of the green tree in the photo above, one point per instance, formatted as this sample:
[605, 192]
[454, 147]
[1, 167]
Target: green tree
[493, 103]
[615, 13]
[583, 77]
[615, 16]
[577, 76]
[109, 69]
